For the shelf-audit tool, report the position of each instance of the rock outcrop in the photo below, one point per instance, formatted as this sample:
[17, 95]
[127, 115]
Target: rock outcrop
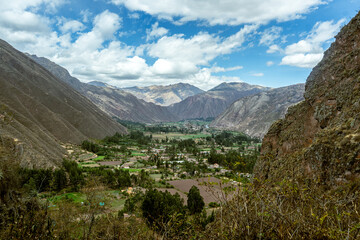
[319, 139]
[254, 114]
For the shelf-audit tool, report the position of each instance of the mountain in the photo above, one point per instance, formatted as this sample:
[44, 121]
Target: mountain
[99, 84]
[213, 102]
[38, 111]
[164, 95]
[113, 101]
[254, 114]
[318, 141]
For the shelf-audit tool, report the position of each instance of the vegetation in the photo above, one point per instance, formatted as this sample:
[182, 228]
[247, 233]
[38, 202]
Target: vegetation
[289, 210]
[195, 202]
[76, 201]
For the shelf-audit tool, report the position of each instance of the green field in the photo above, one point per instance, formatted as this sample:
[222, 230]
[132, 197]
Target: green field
[134, 170]
[138, 154]
[179, 136]
[99, 158]
[74, 197]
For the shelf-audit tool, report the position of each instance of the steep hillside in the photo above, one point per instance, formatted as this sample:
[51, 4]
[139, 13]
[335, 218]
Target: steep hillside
[254, 114]
[215, 101]
[114, 102]
[38, 111]
[164, 95]
[319, 139]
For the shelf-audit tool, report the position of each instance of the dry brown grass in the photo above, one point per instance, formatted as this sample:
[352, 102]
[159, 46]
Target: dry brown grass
[289, 211]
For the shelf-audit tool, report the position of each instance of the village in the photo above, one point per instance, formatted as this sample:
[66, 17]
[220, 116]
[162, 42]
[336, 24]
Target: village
[174, 156]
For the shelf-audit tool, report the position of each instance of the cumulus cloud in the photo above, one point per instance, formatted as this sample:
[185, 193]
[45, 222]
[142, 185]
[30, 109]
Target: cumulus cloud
[155, 32]
[307, 52]
[25, 29]
[257, 74]
[231, 12]
[96, 53]
[72, 26]
[199, 49]
[274, 48]
[118, 64]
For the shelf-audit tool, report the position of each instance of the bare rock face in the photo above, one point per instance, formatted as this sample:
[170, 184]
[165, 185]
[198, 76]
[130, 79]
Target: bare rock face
[319, 139]
[254, 114]
[38, 111]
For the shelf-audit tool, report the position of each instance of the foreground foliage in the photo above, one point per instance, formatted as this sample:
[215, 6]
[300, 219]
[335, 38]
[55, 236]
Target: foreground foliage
[289, 210]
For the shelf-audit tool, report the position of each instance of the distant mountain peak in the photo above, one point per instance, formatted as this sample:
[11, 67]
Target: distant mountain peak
[213, 102]
[164, 95]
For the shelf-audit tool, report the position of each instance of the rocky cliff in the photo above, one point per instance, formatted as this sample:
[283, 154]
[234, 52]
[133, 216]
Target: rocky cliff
[319, 139]
[254, 114]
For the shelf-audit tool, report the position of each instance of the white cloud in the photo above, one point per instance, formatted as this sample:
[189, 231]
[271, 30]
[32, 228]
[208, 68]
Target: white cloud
[173, 69]
[95, 53]
[16, 20]
[72, 26]
[199, 49]
[257, 74]
[221, 69]
[155, 32]
[308, 60]
[231, 12]
[107, 23]
[120, 65]
[269, 63]
[26, 29]
[274, 48]
[270, 35]
[307, 52]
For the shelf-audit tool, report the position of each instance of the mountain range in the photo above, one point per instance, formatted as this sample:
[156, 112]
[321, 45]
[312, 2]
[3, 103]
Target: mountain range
[254, 114]
[39, 111]
[213, 102]
[164, 95]
[113, 101]
[42, 106]
[256, 107]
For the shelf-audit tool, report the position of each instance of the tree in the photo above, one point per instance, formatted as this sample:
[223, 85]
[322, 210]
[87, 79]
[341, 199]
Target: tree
[161, 207]
[75, 174]
[59, 179]
[195, 201]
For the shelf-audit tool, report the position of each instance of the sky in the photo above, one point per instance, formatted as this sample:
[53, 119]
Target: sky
[127, 43]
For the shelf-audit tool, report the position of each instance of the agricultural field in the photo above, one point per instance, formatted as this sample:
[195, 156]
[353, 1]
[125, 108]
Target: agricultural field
[117, 170]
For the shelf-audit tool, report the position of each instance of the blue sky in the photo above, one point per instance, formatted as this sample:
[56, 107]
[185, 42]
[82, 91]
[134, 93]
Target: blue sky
[202, 42]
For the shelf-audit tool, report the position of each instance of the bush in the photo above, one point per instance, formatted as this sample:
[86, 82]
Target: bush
[289, 210]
